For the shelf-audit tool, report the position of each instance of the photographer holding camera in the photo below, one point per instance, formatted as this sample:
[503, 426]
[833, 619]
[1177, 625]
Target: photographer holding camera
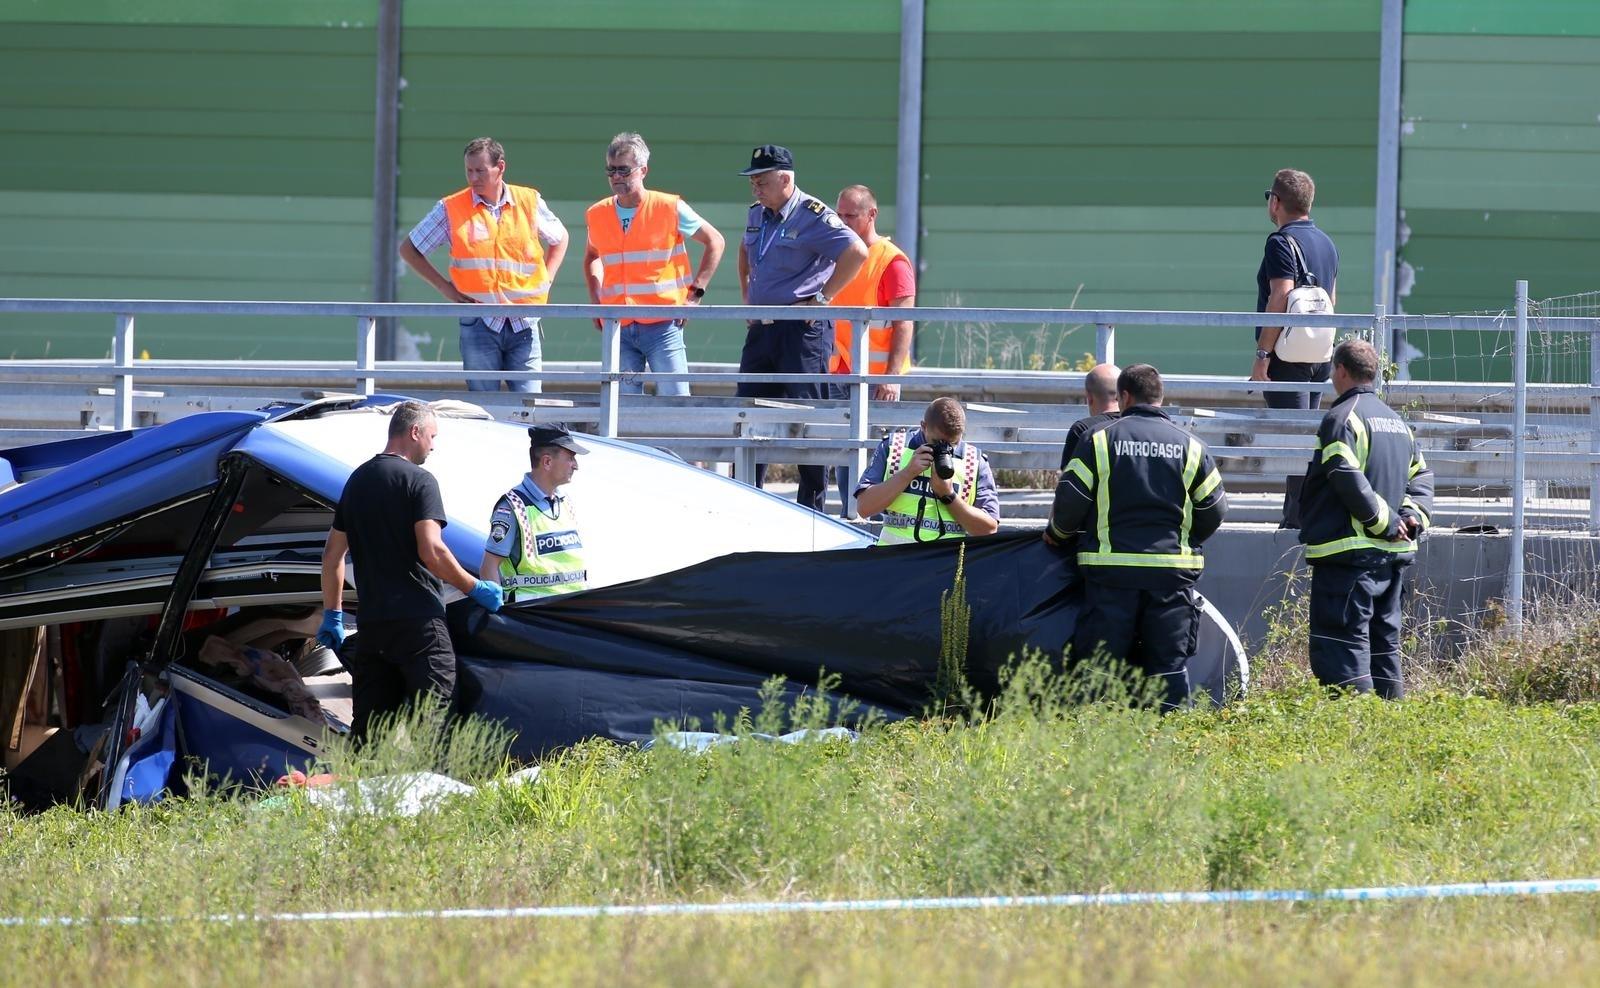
[928, 484]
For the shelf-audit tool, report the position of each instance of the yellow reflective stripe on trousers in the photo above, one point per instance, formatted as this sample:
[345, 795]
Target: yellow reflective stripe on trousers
[1356, 542]
[1102, 490]
[1145, 560]
[1191, 466]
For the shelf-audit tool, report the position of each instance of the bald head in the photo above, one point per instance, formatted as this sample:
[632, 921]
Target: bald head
[1100, 388]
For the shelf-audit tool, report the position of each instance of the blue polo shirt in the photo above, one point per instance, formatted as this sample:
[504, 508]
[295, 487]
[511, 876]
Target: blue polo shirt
[1277, 261]
[791, 252]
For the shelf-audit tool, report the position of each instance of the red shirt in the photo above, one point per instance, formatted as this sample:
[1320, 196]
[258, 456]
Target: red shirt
[897, 282]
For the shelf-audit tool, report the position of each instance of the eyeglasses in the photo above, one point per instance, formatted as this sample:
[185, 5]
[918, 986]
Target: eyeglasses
[619, 171]
[1269, 194]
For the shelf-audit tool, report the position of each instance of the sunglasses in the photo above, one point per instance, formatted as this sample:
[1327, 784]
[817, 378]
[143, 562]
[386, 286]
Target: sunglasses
[618, 171]
[1268, 194]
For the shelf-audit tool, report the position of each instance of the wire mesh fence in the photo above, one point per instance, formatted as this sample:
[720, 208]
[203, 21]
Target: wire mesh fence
[1520, 474]
[1564, 424]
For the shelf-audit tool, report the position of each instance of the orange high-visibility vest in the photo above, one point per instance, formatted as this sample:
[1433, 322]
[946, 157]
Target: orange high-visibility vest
[497, 260]
[863, 290]
[648, 265]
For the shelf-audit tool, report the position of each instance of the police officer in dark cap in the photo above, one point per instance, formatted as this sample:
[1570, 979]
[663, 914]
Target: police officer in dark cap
[534, 548]
[795, 251]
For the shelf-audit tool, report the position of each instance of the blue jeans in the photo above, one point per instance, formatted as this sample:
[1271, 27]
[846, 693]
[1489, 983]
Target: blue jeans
[484, 349]
[658, 345]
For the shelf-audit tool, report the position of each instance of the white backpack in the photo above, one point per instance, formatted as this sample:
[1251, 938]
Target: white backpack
[1305, 344]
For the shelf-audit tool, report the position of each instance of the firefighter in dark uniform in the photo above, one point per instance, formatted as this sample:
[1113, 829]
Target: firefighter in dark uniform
[1143, 494]
[795, 251]
[1366, 499]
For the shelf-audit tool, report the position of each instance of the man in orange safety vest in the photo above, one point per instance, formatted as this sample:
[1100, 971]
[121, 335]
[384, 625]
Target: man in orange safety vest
[637, 256]
[885, 280]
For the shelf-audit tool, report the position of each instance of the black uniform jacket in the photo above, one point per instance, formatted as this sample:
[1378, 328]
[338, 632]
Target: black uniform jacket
[1145, 494]
[1366, 473]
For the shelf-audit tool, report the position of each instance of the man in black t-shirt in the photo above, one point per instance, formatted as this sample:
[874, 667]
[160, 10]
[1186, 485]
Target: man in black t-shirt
[390, 517]
[1289, 208]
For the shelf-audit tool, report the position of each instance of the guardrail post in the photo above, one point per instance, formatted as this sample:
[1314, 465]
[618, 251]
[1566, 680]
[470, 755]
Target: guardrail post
[1594, 427]
[1519, 464]
[860, 408]
[122, 358]
[610, 387]
[1381, 342]
[366, 352]
[1105, 344]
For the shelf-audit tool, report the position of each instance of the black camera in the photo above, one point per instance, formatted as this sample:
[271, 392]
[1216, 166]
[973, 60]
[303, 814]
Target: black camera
[944, 458]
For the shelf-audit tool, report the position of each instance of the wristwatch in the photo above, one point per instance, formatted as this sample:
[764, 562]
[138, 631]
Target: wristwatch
[946, 498]
[696, 292]
[821, 298]
[1262, 354]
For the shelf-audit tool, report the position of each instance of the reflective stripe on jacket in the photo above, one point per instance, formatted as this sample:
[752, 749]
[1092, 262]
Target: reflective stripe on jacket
[497, 261]
[647, 265]
[1366, 472]
[900, 518]
[552, 554]
[863, 290]
[1145, 494]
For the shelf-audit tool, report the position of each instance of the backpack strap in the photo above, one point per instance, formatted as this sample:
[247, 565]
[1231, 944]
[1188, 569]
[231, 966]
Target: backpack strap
[1300, 263]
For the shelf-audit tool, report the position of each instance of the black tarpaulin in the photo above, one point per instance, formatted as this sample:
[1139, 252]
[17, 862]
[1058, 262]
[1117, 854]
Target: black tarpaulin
[700, 642]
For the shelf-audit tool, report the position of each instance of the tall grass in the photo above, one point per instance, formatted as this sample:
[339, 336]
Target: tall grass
[1034, 792]
[1554, 658]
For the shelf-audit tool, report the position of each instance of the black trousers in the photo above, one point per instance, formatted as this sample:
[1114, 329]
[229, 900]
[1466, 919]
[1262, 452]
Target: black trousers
[790, 346]
[1355, 627]
[1154, 630]
[1283, 370]
[396, 662]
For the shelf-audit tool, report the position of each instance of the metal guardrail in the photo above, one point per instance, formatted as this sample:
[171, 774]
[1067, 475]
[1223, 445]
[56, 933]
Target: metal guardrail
[123, 367]
[365, 371]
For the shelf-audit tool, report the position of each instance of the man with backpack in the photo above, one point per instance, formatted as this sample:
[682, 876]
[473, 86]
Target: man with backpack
[1299, 273]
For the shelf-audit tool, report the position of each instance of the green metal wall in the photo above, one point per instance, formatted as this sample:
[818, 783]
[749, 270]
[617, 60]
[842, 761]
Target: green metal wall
[181, 159]
[1500, 165]
[1113, 156]
[188, 149]
[1075, 153]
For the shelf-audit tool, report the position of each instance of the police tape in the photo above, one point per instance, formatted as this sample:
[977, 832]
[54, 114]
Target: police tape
[1571, 886]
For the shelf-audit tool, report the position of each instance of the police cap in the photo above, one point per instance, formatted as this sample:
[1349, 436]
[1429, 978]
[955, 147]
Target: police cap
[554, 435]
[769, 157]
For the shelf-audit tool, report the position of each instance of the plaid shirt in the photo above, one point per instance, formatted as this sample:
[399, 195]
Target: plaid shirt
[434, 232]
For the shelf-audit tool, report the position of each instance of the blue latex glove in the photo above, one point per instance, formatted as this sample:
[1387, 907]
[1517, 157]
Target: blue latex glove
[488, 595]
[331, 634]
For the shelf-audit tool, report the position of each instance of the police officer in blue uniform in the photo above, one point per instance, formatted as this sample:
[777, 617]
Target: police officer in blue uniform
[534, 547]
[795, 251]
